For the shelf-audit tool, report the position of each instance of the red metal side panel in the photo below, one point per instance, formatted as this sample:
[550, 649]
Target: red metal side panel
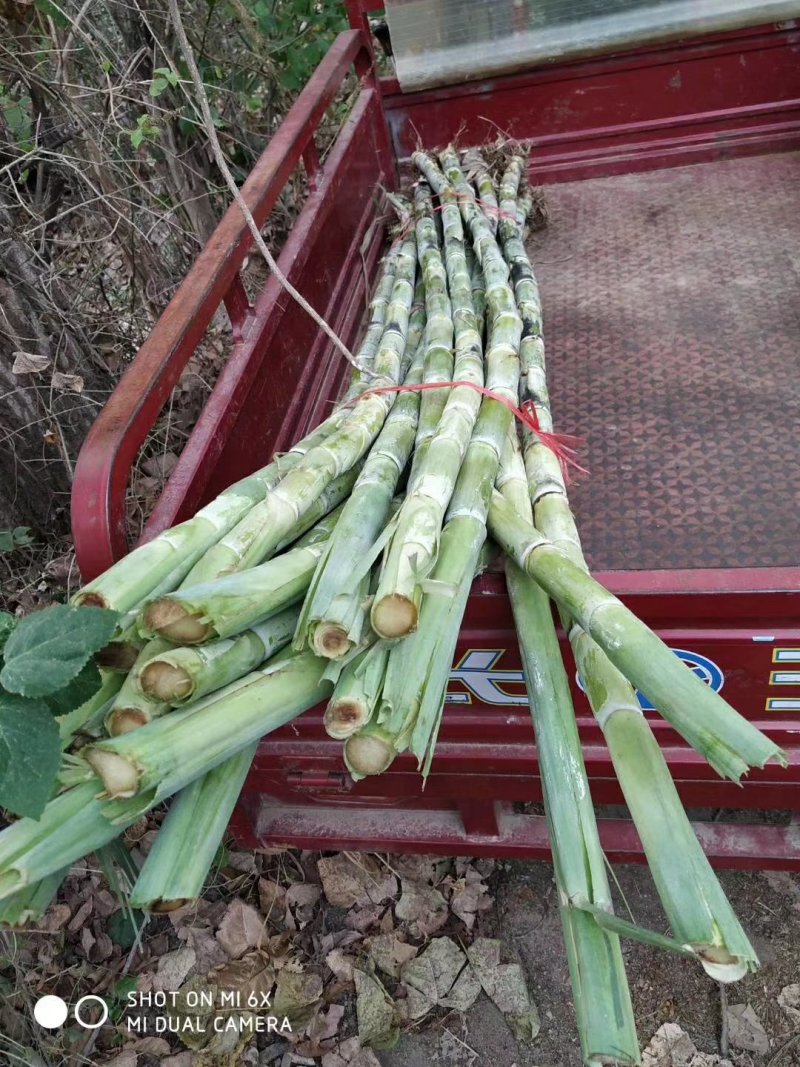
[662, 106]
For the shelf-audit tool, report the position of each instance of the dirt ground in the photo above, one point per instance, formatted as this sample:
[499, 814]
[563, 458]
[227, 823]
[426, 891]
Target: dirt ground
[665, 987]
[318, 919]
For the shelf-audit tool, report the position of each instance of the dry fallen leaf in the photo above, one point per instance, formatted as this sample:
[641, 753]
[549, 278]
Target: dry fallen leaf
[745, 1030]
[355, 879]
[127, 1058]
[350, 1054]
[433, 976]
[151, 1046]
[422, 907]
[671, 1046]
[173, 969]
[271, 900]
[29, 363]
[505, 984]
[242, 928]
[67, 383]
[469, 898]
[789, 1000]
[208, 951]
[340, 964]
[321, 1032]
[389, 953]
[378, 1018]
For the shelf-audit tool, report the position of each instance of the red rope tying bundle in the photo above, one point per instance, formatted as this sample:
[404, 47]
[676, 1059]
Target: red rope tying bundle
[563, 445]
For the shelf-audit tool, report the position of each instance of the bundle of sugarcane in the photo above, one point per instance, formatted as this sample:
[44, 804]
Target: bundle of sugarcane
[341, 572]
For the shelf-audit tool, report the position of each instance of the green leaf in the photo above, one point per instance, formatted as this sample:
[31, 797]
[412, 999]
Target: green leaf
[123, 927]
[157, 86]
[137, 136]
[19, 537]
[167, 74]
[30, 755]
[46, 650]
[7, 624]
[53, 11]
[82, 687]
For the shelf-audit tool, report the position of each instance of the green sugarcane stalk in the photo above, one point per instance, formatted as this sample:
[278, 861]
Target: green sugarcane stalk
[174, 750]
[90, 834]
[221, 610]
[168, 558]
[179, 676]
[695, 904]
[422, 661]
[132, 708]
[438, 340]
[258, 534]
[164, 562]
[412, 551]
[72, 824]
[414, 710]
[478, 172]
[602, 999]
[369, 352]
[189, 838]
[29, 905]
[478, 289]
[726, 739]
[229, 605]
[334, 611]
[356, 693]
[94, 709]
[417, 671]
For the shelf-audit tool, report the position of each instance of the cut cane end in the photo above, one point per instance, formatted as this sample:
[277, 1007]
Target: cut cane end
[91, 600]
[118, 775]
[163, 907]
[126, 720]
[344, 717]
[173, 621]
[330, 641]
[720, 964]
[165, 681]
[117, 656]
[367, 754]
[394, 616]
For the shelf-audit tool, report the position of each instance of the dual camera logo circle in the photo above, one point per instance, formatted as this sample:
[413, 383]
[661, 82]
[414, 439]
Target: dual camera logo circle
[51, 1012]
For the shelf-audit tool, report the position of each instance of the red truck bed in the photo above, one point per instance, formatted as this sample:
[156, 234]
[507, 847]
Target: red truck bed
[669, 276]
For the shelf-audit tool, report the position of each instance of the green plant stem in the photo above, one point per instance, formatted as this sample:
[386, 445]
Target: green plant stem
[728, 741]
[412, 551]
[189, 838]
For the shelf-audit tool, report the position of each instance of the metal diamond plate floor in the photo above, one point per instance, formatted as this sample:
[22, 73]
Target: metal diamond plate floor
[672, 319]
